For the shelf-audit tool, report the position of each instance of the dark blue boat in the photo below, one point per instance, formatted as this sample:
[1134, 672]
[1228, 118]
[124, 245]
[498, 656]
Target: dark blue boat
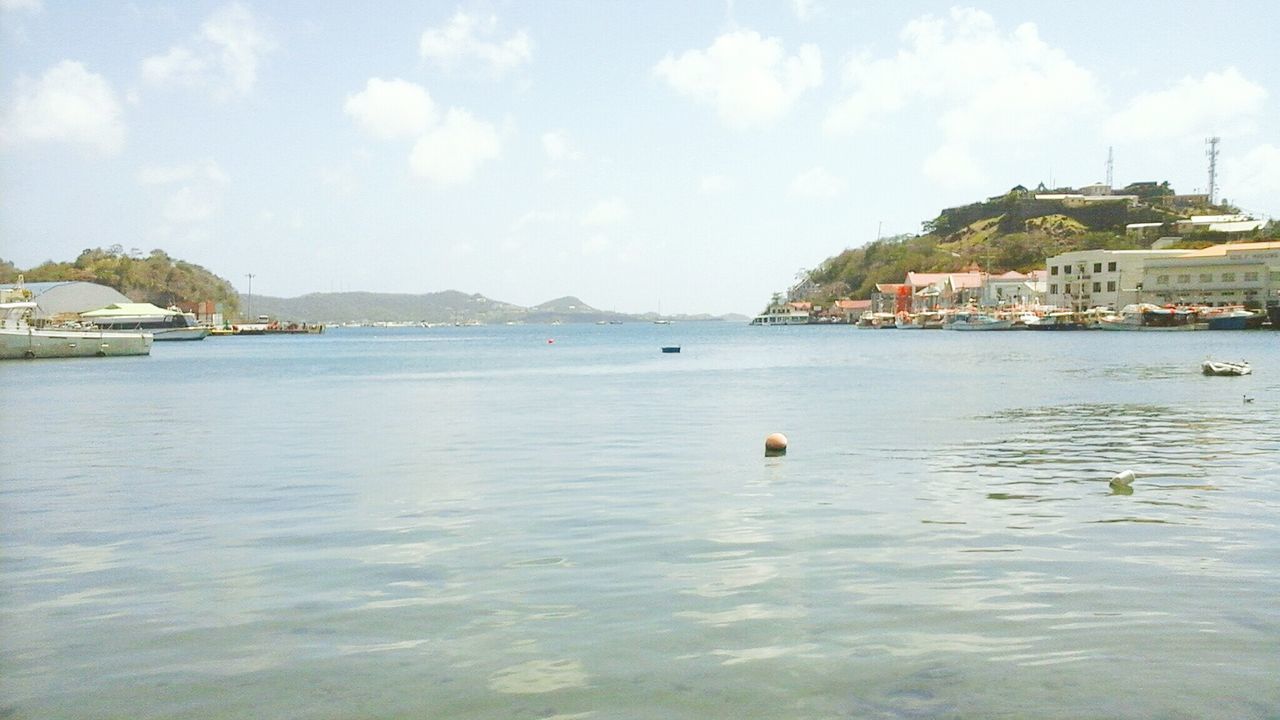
[671, 349]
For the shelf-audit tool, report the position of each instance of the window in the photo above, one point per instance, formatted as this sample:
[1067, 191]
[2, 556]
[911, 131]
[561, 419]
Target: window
[1162, 279]
[1111, 267]
[1053, 270]
[1053, 289]
[1111, 286]
[1097, 267]
[1066, 269]
[1206, 277]
[1184, 279]
[1251, 277]
[1228, 277]
[1097, 287]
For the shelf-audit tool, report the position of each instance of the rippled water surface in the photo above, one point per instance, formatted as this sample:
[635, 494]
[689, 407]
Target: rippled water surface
[477, 523]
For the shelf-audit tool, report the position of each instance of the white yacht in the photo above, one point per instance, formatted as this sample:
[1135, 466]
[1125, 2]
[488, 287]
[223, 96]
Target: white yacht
[19, 340]
[170, 324]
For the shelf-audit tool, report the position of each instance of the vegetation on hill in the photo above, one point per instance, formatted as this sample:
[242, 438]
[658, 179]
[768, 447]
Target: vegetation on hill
[1014, 231]
[155, 278]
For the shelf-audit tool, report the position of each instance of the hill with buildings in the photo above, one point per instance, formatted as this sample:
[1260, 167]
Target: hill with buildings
[1018, 230]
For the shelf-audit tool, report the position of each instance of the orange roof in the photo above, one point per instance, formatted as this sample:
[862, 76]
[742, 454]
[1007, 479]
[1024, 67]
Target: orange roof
[1223, 249]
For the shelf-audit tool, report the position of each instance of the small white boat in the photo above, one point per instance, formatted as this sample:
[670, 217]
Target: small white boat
[18, 340]
[977, 321]
[1220, 367]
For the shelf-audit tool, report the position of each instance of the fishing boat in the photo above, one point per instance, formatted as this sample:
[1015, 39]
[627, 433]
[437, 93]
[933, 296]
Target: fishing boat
[1234, 318]
[671, 348]
[18, 340]
[973, 320]
[1145, 316]
[1221, 367]
[1055, 321]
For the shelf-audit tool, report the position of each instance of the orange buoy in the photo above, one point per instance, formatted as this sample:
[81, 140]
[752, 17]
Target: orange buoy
[775, 444]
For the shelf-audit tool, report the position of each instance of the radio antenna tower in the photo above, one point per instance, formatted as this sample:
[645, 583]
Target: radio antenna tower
[1111, 166]
[1212, 154]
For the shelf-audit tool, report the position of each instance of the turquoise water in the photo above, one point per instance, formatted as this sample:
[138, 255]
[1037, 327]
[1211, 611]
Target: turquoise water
[476, 523]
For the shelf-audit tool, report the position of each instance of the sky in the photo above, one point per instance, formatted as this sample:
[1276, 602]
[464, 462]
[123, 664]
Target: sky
[673, 156]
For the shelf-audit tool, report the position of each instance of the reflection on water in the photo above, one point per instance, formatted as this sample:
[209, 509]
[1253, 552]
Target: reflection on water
[472, 524]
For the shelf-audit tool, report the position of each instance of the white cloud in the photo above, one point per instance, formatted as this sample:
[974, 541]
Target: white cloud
[470, 37]
[806, 10]
[207, 170]
[1219, 102]
[32, 6]
[817, 182]
[67, 104]
[451, 153]
[953, 165]
[596, 245]
[558, 148]
[223, 58]
[749, 79]
[1252, 181]
[391, 109]
[985, 86]
[715, 184]
[192, 192]
[534, 218]
[178, 67]
[612, 211]
[982, 81]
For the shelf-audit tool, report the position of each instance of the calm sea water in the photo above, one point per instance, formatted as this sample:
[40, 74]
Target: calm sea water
[476, 523]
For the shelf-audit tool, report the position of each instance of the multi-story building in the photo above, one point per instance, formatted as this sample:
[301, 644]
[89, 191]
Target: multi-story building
[1094, 278]
[1233, 274]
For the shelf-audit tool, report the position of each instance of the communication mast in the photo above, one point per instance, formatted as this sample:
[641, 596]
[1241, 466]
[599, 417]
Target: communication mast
[1111, 165]
[1212, 154]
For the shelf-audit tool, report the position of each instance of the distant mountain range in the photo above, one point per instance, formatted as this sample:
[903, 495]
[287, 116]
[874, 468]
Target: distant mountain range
[449, 306]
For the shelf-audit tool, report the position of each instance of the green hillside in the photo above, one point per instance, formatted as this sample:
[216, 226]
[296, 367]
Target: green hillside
[155, 278]
[1014, 231]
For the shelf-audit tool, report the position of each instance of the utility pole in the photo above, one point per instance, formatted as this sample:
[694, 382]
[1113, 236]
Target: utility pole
[249, 295]
[1212, 153]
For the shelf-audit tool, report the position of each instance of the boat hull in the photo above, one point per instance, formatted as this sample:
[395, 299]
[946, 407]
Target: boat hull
[1213, 367]
[1236, 323]
[31, 343]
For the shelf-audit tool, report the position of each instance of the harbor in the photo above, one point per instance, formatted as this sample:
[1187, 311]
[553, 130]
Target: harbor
[943, 520]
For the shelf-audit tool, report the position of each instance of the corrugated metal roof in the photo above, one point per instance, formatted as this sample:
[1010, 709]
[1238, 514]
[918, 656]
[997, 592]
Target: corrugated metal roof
[70, 296]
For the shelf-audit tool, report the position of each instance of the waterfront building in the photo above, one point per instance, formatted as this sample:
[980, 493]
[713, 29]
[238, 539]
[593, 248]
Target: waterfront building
[1229, 274]
[1084, 279]
[931, 291]
[1014, 288]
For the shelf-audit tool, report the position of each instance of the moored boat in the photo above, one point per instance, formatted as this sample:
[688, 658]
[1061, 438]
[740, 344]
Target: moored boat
[1145, 316]
[163, 324]
[1056, 321]
[1234, 318]
[18, 340]
[972, 320]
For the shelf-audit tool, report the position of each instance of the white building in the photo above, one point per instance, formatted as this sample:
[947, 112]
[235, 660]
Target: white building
[1231, 274]
[1219, 223]
[1014, 288]
[1093, 278]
